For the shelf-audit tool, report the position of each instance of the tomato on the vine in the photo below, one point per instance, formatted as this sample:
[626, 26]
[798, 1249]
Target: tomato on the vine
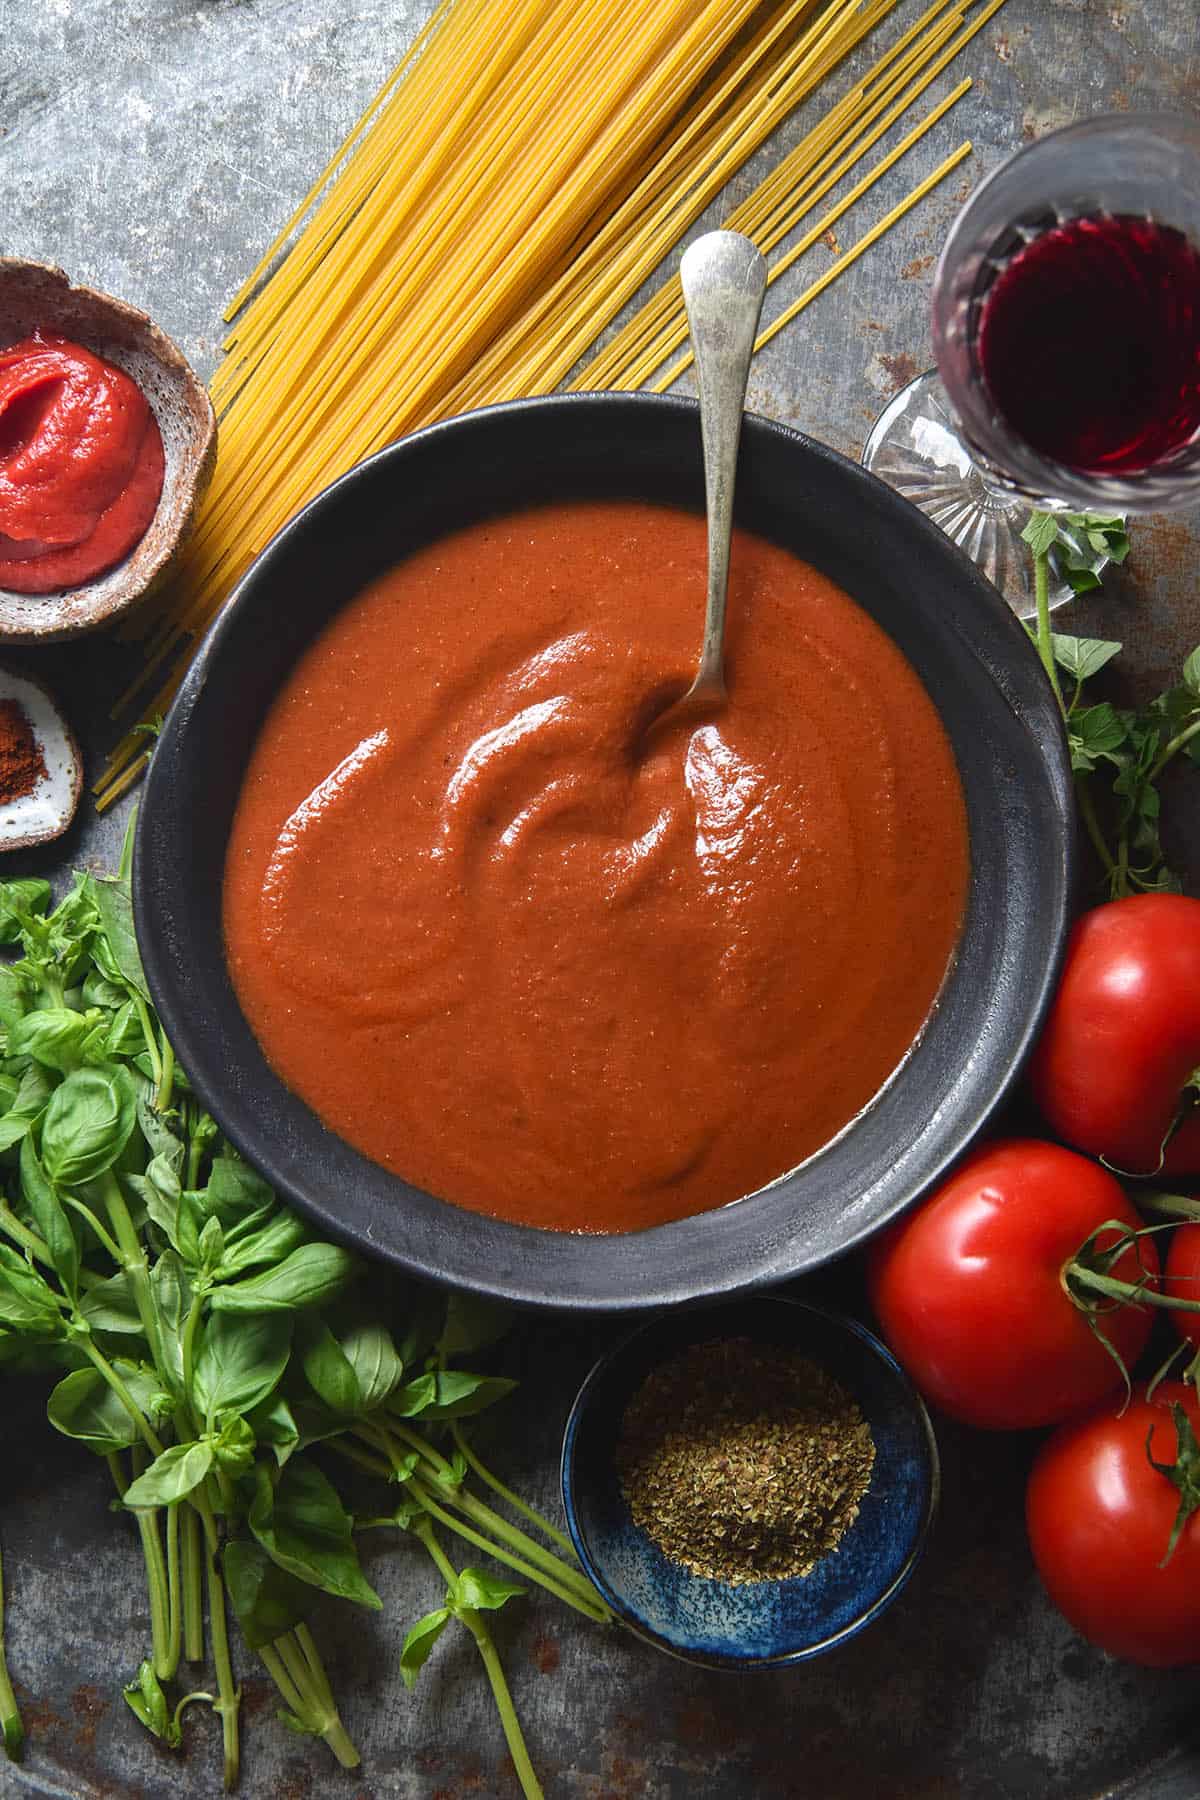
[1182, 1278]
[1100, 1519]
[970, 1292]
[1113, 1068]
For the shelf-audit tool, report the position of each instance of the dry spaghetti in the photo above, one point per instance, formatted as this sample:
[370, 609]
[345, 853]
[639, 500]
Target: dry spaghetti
[513, 185]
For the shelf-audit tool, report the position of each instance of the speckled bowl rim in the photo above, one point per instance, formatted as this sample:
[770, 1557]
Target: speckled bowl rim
[627, 1349]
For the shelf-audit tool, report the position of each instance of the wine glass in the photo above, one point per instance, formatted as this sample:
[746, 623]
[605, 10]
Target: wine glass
[1066, 329]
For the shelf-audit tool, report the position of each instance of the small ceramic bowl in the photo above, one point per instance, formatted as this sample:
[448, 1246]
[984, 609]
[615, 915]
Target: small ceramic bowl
[36, 295]
[764, 1623]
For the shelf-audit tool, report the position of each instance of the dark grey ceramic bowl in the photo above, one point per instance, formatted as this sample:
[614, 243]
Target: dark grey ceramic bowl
[976, 662]
[763, 1623]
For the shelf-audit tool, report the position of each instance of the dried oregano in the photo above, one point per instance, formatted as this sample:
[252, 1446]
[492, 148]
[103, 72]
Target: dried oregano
[744, 1461]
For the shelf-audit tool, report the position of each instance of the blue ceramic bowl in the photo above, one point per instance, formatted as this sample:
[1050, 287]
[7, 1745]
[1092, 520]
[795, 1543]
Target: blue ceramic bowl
[757, 1624]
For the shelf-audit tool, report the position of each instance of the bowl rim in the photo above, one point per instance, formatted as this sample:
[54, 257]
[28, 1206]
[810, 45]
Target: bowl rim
[576, 1421]
[518, 1263]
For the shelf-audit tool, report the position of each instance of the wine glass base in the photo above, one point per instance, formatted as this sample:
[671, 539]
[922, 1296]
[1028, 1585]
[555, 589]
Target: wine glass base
[914, 446]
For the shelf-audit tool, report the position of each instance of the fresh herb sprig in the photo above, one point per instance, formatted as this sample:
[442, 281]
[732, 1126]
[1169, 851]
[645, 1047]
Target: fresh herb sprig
[1118, 754]
[215, 1353]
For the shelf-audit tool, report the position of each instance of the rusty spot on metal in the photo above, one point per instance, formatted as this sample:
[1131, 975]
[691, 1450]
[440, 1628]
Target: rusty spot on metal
[830, 242]
[1003, 48]
[256, 1694]
[701, 1726]
[918, 266]
[900, 369]
[545, 1653]
[89, 1706]
[873, 325]
[1119, 100]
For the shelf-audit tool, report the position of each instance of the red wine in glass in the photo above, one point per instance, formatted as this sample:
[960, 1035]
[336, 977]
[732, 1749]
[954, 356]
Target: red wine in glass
[1066, 329]
[1089, 343]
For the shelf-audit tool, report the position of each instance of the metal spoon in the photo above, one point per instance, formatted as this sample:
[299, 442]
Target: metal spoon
[724, 279]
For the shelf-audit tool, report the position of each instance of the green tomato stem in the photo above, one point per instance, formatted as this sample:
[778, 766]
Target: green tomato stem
[1087, 812]
[514, 1737]
[1045, 647]
[10, 1715]
[1172, 749]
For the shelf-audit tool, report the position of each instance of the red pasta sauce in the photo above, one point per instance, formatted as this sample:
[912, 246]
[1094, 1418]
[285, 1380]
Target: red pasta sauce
[81, 465]
[551, 976]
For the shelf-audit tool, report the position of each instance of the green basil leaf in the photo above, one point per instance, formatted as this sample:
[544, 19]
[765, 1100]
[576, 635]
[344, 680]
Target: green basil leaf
[157, 1131]
[49, 1218]
[369, 1350]
[279, 1233]
[116, 951]
[235, 1189]
[449, 1394]
[148, 1703]
[171, 1476]
[420, 1641]
[267, 1600]
[482, 1592]
[302, 1525]
[1191, 673]
[110, 1306]
[83, 1406]
[310, 1276]
[88, 1121]
[173, 1297]
[273, 1423]
[327, 1370]
[234, 1446]
[21, 901]
[27, 1303]
[211, 1245]
[123, 1034]
[33, 1093]
[240, 1360]
[59, 1038]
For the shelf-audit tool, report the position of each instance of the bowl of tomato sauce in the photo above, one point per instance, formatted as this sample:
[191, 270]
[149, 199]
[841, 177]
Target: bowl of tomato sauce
[496, 983]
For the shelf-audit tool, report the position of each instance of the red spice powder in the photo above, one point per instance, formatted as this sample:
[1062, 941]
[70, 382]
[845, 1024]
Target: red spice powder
[22, 764]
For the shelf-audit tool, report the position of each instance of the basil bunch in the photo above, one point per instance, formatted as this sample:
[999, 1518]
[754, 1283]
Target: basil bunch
[217, 1355]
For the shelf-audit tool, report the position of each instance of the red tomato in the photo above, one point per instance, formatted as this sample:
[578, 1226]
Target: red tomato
[1100, 1518]
[968, 1291]
[1123, 1036]
[1183, 1278]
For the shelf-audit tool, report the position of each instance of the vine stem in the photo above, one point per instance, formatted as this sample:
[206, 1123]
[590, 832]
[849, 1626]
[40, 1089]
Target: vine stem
[1041, 592]
[294, 1665]
[514, 1737]
[151, 1438]
[1171, 749]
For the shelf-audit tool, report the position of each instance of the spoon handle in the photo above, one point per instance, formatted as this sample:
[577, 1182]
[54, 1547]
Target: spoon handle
[724, 279]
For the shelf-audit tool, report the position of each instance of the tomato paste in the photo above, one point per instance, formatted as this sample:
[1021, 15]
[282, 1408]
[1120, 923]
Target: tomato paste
[81, 465]
[544, 968]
